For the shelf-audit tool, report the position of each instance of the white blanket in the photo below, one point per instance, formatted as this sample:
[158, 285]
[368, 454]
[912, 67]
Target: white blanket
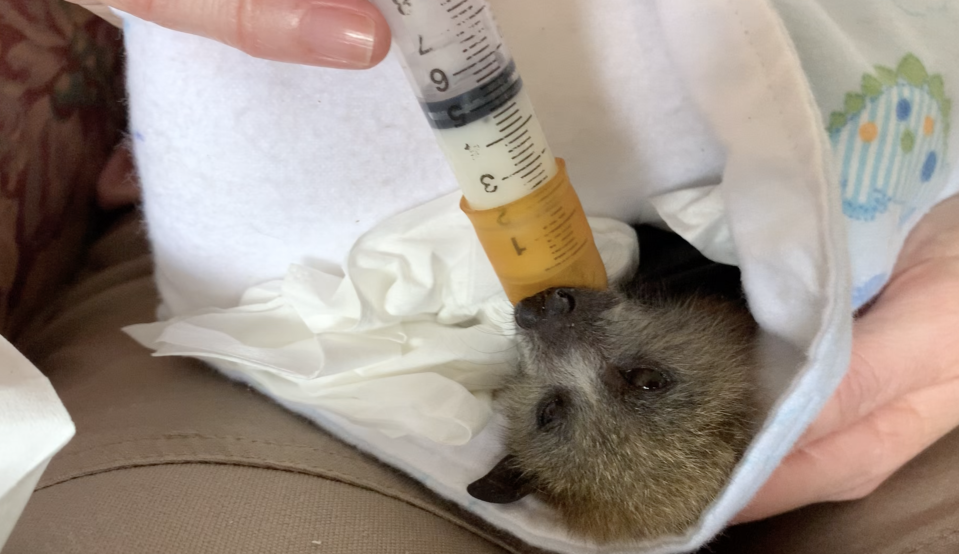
[828, 125]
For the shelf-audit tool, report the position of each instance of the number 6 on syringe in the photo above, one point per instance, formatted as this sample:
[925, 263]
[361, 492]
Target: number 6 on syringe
[440, 80]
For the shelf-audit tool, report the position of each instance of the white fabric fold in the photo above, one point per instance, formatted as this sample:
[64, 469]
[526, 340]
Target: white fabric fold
[34, 426]
[699, 215]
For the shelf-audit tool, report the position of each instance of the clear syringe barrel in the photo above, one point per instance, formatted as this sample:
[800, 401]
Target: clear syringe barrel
[517, 195]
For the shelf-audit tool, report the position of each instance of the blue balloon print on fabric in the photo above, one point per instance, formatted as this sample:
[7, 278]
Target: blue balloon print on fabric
[928, 167]
[890, 140]
[903, 109]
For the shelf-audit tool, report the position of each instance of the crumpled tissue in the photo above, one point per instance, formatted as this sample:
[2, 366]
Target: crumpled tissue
[34, 426]
[412, 340]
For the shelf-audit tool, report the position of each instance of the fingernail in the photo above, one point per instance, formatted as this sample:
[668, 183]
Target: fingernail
[339, 37]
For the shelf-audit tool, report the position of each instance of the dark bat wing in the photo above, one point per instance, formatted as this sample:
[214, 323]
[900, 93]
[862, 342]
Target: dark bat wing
[670, 266]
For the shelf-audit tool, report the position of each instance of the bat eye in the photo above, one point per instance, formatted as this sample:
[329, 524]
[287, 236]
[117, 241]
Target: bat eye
[646, 378]
[550, 411]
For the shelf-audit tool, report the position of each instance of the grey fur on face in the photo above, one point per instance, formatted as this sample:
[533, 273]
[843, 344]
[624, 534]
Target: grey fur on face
[630, 408]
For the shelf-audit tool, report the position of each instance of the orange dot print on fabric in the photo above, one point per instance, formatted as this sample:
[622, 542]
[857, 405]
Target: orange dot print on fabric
[928, 126]
[868, 131]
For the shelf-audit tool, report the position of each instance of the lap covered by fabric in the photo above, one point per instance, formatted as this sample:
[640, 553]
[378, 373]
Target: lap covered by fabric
[60, 117]
[171, 457]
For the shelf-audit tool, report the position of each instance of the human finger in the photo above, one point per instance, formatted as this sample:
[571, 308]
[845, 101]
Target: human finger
[936, 236]
[100, 9]
[850, 464]
[348, 34]
[901, 345]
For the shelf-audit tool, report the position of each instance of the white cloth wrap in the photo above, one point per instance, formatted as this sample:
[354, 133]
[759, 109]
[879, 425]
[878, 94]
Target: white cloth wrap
[248, 166]
[412, 341]
[34, 426]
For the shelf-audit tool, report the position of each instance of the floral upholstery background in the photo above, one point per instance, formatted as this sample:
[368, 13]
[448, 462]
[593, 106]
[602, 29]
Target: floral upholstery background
[60, 118]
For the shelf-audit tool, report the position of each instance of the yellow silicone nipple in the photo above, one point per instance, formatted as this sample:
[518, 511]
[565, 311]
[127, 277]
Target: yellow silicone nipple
[540, 241]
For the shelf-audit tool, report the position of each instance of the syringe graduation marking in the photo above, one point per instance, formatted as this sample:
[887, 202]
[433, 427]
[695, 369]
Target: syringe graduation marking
[527, 139]
[485, 67]
[510, 121]
[500, 114]
[463, 51]
[475, 44]
[536, 159]
[483, 49]
[514, 131]
[542, 178]
[521, 152]
[488, 75]
[473, 55]
[528, 156]
[521, 135]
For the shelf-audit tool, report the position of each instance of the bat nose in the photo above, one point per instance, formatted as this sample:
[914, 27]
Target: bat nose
[544, 306]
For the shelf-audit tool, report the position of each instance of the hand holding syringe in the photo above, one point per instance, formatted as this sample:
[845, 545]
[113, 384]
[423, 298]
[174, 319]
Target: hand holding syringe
[345, 34]
[517, 195]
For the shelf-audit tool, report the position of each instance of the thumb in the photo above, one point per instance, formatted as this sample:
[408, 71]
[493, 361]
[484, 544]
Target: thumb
[101, 10]
[348, 34]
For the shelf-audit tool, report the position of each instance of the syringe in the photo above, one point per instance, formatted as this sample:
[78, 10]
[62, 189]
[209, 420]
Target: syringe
[517, 195]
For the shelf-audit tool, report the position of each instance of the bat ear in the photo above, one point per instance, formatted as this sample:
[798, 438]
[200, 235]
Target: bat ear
[505, 483]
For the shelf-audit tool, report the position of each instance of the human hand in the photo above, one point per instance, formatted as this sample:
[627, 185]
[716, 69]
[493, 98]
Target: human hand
[346, 34]
[900, 394]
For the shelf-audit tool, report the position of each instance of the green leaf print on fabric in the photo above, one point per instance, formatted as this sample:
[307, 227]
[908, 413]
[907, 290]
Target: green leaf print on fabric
[890, 140]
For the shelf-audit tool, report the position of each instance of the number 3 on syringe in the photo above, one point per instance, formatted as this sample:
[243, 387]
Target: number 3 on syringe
[487, 185]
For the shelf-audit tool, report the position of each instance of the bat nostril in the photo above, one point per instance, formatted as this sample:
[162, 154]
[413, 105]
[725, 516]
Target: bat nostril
[559, 302]
[546, 305]
[528, 315]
